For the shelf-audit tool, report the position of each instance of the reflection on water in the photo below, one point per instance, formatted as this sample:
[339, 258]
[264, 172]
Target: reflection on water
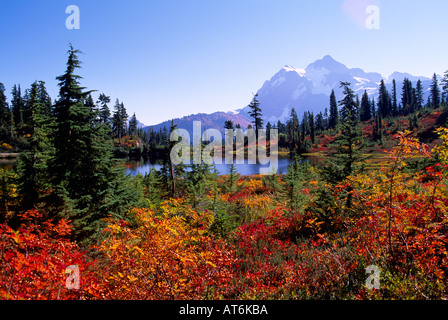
[143, 166]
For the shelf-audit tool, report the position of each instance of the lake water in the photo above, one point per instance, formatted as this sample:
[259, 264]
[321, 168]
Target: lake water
[143, 166]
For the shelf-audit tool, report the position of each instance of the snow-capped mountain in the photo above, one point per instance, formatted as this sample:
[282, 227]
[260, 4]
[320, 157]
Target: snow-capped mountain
[309, 89]
[306, 89]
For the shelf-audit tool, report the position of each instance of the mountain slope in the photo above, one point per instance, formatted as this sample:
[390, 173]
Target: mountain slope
[309, 89]
[303, 89]
[208, 121]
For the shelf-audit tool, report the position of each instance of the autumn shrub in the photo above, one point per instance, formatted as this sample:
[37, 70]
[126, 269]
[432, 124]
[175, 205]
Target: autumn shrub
[34, 259]
[283, 256]
[165, 258]
[403, 225]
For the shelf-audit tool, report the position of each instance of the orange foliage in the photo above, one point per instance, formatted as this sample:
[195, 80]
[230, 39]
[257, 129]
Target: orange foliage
[34, 260]
[165, 258]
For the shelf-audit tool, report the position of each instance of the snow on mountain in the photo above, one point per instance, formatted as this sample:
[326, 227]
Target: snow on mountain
[305, 90]
[309, 89]
[140, 124]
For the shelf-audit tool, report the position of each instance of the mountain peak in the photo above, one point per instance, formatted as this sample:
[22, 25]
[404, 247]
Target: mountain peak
[328, 58]
[327, 62]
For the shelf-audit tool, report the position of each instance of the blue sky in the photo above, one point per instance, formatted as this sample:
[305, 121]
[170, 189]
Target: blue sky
[172, 58]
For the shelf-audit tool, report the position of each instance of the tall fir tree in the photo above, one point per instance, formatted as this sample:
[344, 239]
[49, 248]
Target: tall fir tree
[44, 99]
[349, 107]
[17, 107]
[312, 127]
[347, 157]
[33, 162]
[268, 131]
[104, 113]
[133, 125]
[384, 101]
[408, 97]
[119, 120]
[365, 109]
[88, 187]
[5, 116]
[435, 92]
[419, 95]
[255, 113]
[394, 110]
[293, 132]
[320, 122]
[444, 83]
[333, 118]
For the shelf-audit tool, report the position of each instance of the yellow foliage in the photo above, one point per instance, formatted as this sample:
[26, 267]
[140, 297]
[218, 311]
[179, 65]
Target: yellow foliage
[164, 258]
[442, 149]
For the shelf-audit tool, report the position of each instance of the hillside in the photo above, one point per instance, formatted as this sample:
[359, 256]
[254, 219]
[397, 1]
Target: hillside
[306, 89]
[427, 123]
[208, 121]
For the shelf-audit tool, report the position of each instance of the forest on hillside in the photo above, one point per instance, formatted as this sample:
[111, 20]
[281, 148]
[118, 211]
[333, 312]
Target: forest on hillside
[377, 199]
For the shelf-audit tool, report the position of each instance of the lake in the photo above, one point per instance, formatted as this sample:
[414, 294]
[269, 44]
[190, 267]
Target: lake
[143, 166]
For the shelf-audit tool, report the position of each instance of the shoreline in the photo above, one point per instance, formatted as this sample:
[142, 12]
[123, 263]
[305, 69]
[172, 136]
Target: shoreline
[9, 155]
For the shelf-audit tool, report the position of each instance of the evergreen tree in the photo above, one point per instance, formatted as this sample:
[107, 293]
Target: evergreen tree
[281, 127]
[255, 113]
[32, 163]
[17, 106]
[88, 187]
[333, 119]
[365, 110]
[44, 99]
[104, 108]
[119, 120]
[133, 125]
[169, 163]
[435, 92]
[319, 123]
[293, 132]
[295, 180]
[347, 156]
[5, 116]
[349, 108]
[268, 131]
[91, 105]
[377, 129]
[233, 176]
[312, 129]
[419, 95]
[445, 87]
[408, 97]
[394, 110]
[384, 101]
[228, 124]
